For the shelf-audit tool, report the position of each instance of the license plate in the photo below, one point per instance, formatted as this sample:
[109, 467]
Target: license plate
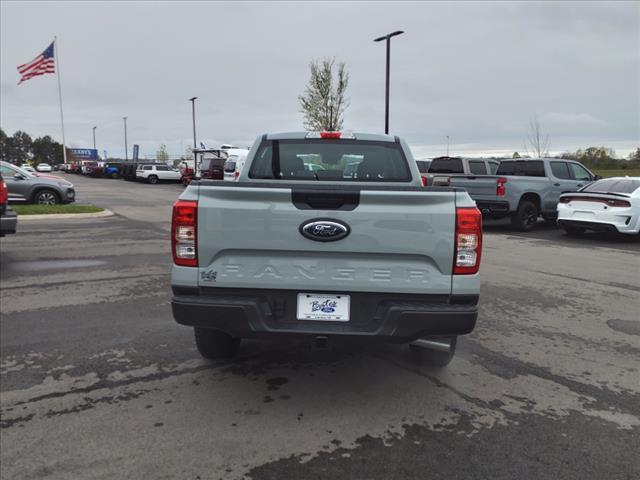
[331, 308]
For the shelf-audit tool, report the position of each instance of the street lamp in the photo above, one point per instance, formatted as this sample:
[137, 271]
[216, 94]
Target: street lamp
[94, 138]
[126, 148]
[386, 102]
[193, 115]
[447, 145]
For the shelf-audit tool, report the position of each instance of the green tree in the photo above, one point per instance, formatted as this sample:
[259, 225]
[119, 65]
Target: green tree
[162, 155]
[323, 102]
[17, 148]
[515, 155]
[3, 146]
[47, 150]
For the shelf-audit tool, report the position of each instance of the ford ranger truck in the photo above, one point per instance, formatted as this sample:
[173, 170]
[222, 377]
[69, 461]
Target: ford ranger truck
[326, 253]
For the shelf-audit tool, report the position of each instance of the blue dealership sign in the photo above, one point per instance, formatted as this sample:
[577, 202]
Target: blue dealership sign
[84, 153]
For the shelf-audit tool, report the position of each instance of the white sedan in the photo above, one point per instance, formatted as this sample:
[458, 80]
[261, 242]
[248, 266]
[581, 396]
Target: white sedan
[43, 167]
[610, 204]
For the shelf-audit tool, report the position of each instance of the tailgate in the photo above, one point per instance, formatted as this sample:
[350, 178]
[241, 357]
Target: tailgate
[400, 240]
[478, 187]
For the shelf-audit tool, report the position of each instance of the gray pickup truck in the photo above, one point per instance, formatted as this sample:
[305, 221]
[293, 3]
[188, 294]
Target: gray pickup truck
[327, 254]
[443, 168]
[524, 189]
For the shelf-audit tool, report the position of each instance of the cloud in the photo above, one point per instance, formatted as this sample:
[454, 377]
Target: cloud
[474, 71]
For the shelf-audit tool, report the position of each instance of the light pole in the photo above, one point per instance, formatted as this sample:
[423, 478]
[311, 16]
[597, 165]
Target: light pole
[94, 138]
[386, 98]
[193, 116]
[447, 145]
[126, 148]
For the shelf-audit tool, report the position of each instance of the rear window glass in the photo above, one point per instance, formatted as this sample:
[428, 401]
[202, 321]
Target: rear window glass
[477, 167]
[446, 165]
[560, 170]
[230, 167]
[613, 185]
[423, 166]
[493, 166]
[528, 168]
[336, 160]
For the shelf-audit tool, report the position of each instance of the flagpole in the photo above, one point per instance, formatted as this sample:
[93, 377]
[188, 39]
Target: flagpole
[56, 56]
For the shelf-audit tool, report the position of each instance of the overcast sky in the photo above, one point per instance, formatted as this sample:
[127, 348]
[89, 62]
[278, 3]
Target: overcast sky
[475, 71]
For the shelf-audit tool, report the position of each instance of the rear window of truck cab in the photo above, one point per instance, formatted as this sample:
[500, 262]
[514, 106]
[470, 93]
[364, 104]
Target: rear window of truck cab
[446, 165]
[330, 160]
[524, 168]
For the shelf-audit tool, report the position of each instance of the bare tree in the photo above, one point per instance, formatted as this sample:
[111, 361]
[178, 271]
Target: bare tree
[537, 141]
[323, 102]
[162, 155]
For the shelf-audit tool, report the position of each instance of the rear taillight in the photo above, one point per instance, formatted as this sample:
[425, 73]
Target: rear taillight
[468, 241]
[236, 174]
[425, 180]
[184, 233]
[607, 201]
[4, 193]
[500, 190]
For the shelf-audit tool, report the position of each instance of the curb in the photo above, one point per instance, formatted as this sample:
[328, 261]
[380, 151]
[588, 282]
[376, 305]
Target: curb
[61, 216]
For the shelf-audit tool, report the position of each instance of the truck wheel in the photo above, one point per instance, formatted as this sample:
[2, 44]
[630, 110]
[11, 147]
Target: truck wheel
[433, 358]
[525, 218]
[152, 179]
[46, 197]
[573, 231]
[214, 344]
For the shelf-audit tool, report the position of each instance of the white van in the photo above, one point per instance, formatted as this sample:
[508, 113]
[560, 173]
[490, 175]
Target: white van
[233, 166]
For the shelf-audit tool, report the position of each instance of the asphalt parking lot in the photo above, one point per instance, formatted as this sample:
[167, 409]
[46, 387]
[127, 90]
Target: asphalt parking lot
[98, 381]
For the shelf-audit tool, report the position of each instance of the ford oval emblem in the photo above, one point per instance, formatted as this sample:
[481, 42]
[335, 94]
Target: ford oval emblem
[324, 230]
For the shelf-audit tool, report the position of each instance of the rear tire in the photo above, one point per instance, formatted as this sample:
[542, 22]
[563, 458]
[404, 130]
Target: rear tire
[214, 344]
[433, 358]
[152, 179]
[574, 231]
[525, 218]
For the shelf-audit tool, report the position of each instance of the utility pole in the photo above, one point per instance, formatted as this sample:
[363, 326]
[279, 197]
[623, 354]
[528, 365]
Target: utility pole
[193, 116]
[94, 138]
[447, 145]
[126, 148]
[386, 97]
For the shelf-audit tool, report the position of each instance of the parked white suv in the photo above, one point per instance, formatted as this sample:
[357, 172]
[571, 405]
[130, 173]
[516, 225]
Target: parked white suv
[153, 173]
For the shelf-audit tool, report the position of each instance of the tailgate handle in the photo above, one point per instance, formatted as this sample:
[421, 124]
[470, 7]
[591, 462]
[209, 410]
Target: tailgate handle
[307, 199]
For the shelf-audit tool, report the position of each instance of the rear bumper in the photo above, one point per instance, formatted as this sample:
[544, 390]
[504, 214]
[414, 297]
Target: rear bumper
[265, 313]
[599, 226]
[490, 207]
[8, 222]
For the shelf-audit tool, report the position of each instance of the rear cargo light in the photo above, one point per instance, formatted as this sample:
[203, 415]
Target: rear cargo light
[468, 241]
[330, 135]
[500, 190]
[184, 233]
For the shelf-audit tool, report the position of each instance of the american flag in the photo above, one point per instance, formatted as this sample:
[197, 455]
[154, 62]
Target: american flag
[43, 63]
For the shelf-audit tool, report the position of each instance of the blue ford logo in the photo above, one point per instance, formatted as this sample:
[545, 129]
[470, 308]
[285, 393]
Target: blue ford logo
[324, 230]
